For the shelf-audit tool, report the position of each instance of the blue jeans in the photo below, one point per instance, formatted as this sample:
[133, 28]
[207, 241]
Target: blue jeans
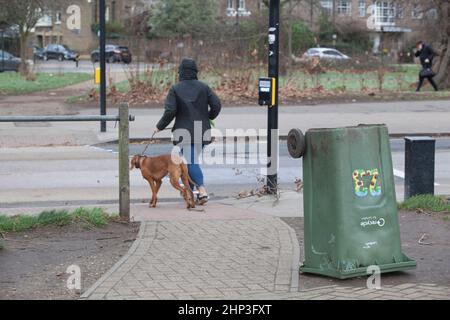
[192, 156]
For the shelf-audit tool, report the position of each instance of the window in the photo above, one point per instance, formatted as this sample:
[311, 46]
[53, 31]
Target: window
[241, 10]
[332, 53]
[385, 12]
[433, 14]
[400, 11]
[58, 17]
[362, 8]
[344, 7]
[327, 6]
[417, 12]
[45, 20]
[241, 5]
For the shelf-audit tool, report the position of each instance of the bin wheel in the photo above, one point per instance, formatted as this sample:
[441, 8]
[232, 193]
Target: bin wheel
[296, 143]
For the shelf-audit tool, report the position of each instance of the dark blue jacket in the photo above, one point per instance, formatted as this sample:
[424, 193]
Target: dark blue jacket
[190, 101]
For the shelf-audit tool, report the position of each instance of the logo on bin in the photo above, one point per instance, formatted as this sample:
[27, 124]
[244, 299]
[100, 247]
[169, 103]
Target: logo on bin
[362, 175]
[372, 221]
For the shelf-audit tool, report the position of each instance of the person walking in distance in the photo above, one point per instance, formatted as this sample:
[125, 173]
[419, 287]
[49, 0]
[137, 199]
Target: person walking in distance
[426, 55]
[193, 105]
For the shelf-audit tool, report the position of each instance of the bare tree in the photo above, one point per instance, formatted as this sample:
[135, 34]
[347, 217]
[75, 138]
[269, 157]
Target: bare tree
[443, 63]
[25, 14]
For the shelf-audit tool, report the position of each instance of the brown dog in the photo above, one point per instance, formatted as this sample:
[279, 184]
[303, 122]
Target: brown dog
[155, 169]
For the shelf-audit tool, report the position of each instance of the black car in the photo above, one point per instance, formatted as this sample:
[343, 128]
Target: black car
[59, 52]
[38, 53]
[114, 53]
[8, 62]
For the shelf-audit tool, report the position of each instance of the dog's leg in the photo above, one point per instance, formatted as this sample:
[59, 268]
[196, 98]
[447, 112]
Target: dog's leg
[174, 181]
[154, 192]
[158, 184]
[186, 179]
[189, 193]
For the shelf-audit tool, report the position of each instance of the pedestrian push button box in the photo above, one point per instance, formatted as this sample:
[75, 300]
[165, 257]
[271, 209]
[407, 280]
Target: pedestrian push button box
[266, 91]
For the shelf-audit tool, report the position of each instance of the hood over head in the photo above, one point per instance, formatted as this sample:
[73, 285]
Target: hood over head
[188, 69]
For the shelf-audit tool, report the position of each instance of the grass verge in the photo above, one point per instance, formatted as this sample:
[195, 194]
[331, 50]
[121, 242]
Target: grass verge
[91, 217]
[426, 202]
[15, 84]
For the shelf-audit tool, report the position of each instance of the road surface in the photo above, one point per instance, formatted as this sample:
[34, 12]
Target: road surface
[59, 176]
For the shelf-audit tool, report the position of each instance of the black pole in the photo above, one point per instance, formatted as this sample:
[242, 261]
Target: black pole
[102, 13]
[3, 50]
[272, 134]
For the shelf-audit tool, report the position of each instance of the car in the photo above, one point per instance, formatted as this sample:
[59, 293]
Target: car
[59, 52]
[38, 53]
[8, 62]
[325, 53]
[114, 53]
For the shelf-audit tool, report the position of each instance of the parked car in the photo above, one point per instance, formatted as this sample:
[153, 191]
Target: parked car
[325, 53]
[38, 53]
[113, 53]
[59, 52]
[8, 62]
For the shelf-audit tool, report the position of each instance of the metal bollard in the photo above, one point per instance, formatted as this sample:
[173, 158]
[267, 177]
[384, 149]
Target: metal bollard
[419, 166]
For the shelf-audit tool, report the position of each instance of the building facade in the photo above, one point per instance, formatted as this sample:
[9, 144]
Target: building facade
[73, 23]
[391, 25]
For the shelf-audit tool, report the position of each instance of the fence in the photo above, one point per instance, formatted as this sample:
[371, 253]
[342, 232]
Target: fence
[124, 119]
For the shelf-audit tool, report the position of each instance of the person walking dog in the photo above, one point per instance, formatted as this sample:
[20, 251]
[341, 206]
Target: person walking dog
[193, 105]
[426, 55]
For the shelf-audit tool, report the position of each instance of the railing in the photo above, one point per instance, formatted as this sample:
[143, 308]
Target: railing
[124, 119]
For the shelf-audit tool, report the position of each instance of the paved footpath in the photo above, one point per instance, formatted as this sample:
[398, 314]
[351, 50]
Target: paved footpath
[226, 252]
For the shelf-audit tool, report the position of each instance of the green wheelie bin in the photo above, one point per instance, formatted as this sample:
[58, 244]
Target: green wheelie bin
[350, 207]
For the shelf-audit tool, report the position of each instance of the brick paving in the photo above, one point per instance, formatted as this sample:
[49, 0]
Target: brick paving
[232, 255]
[205, 259]
[388, 292]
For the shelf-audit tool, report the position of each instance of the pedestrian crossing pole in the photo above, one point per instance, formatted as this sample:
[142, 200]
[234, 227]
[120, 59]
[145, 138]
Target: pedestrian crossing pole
[272, 128]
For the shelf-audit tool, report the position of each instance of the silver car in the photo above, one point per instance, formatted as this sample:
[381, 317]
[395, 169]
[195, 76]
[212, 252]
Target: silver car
[325, 53]
[8, 62]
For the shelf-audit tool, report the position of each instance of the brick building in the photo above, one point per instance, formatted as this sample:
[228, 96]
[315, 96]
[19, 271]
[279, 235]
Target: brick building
[72, 23]
[391, 25]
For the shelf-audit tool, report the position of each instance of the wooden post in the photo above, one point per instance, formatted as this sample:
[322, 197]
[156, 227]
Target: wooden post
[124, 172]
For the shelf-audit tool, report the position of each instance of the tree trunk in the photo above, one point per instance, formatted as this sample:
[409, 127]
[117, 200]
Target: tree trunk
[443, 65]
[23, 54]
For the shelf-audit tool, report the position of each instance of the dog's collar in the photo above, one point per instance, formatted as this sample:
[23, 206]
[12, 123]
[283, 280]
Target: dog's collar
[141, 160]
